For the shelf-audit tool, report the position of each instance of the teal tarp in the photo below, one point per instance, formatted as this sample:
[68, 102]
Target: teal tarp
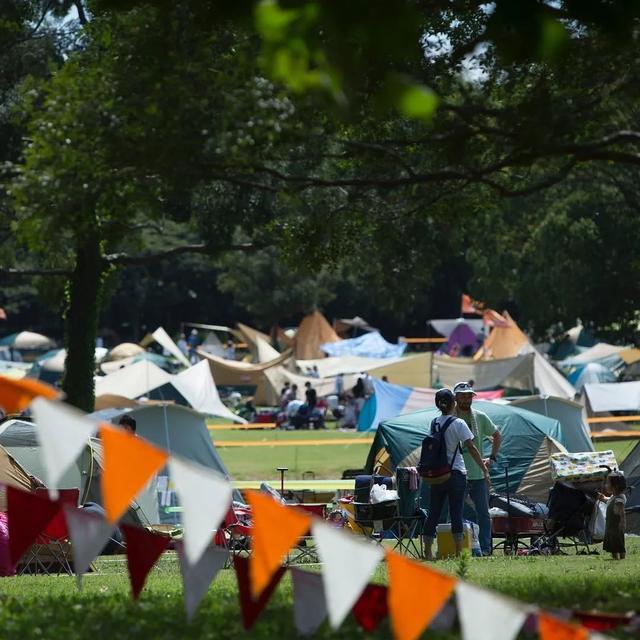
[522, 434]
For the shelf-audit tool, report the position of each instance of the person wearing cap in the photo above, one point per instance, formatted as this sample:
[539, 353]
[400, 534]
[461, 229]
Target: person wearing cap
[482, 428]
[456, 436]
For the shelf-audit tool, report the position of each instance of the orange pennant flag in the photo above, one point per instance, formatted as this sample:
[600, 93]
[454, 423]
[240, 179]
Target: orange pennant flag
[410, 614]
[551, 628]
[276, 528]
[129, 462]
[16, 395]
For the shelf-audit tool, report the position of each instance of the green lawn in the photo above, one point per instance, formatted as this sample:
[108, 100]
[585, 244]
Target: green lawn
[37, 607]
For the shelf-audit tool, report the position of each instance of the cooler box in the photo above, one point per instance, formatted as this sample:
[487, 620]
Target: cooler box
[580, 467]
[446, 543]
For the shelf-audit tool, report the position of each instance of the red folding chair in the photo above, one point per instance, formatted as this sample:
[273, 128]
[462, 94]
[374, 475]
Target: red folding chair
[51, 552]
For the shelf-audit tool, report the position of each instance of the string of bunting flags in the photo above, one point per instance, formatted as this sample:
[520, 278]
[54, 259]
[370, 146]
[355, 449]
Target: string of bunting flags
[417, 596]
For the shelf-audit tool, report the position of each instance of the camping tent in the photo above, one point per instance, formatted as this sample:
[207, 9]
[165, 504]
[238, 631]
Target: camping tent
[613, 396]
[523, 436]
[600, 351]
[369, 345]
[179, 431]
[343, 326]
[631, 469]
[570, 414]
[390, 400]
[133, 381]
[27, 341]
[124, 350]
[20, 439]
[447, 327]
[12, 474]
[313, 331]
[590, 373]
[463, 341]
[50, 366]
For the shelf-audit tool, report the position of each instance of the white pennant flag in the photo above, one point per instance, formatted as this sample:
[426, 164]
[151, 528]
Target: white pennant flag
[485, 615]
[309, 603]
[196, 578]
[348, 564]
[205, 497]
[63, 433]
[89, 534]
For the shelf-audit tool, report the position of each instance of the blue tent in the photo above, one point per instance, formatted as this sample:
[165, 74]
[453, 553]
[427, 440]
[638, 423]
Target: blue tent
[369, 345]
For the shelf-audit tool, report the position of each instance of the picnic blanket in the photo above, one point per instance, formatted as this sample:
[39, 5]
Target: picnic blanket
[585, 466]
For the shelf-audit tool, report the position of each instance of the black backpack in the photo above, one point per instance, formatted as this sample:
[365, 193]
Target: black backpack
[434, 466]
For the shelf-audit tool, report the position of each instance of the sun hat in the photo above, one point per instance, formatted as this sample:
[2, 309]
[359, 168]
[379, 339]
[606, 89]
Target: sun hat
[464, 387]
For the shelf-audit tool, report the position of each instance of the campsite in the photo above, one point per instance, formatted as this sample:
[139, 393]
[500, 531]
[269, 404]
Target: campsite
[319, 319]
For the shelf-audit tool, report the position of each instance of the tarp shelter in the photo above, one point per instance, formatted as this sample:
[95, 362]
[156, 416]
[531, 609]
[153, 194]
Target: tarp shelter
[328, 367]
[398, 441]
[178, 430]
[600, 351]
[27, 341]
[244, 376]
[343, 326]
[134, 381]
[462, 341]
[265, 352]
[446, 327]
[571, 415]
[160, 361]
[390, 400]
[613, 396]
[590, 373]
[369, 345]
[516, 373]
[165, 341]
[20, 439]
[314, 330]
[259, 343]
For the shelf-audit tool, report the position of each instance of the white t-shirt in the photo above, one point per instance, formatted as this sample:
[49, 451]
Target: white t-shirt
[457, 432]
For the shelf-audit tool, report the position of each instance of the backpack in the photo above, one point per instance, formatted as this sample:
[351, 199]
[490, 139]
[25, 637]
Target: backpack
[434, 466]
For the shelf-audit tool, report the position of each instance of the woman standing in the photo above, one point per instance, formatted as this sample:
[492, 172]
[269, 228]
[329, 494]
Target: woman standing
[456, 435]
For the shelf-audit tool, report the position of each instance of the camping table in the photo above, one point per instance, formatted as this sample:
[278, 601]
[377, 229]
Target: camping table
[513, 529]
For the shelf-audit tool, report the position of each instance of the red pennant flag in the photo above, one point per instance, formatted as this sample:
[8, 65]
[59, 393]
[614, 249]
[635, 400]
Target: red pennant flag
[250, 608]
[29, 514]
[143, 550]
[371, 607]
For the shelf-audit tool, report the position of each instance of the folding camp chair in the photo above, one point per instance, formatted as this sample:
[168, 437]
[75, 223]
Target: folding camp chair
[305, 550]
[51, 552]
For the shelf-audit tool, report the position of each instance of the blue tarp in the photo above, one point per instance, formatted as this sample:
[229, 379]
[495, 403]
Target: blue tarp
[369, 345]
[387, 402]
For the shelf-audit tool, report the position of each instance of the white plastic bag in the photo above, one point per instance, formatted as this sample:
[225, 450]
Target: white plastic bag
[379, 493]
[597, 521]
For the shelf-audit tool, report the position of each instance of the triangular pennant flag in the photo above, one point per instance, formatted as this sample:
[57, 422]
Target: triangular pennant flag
[485, 615]
[16, 395]
[196, 578]
[205, 497]
[347, 566]
[371, 608]
[143, 550]
[550, 628]
[128, 464]
[410, 615]
[89, 534]
[251, 608]
[63, 433]
[275, 530]
[309, 604]
[28, 516]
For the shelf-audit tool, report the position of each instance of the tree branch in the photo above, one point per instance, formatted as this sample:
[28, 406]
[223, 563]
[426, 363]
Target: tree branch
[10, 271]
[200, 248]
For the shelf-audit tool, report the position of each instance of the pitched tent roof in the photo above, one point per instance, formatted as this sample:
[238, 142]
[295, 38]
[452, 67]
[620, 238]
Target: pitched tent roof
[28, 340]
[463, 341]
[503, 342]
[133, 381]
[412, 371]
[313, 331]
[447, 326]
[344, 325]
[590, 373]
[369, 345]
[523, 434]
[124, 350]
[265, 352]
[570, 414]
[12, 474]
[165, 341]
[597, 352]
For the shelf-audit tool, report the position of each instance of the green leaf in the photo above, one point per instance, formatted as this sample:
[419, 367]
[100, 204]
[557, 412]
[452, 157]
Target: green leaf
[417, 101]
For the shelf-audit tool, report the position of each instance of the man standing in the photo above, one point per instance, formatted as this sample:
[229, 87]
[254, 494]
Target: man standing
[482, 427]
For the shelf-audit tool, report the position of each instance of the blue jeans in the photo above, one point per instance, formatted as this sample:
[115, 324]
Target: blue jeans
[454, 490]
[479, 494]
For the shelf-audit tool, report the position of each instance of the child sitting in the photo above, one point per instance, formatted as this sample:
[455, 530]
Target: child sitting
[615, 524]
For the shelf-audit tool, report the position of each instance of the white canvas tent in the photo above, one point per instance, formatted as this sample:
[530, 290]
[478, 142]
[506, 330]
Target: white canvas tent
[613, 396]
[165, 341]
[133, 381]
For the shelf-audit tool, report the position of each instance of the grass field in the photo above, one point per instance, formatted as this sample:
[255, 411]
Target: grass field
[37, 607]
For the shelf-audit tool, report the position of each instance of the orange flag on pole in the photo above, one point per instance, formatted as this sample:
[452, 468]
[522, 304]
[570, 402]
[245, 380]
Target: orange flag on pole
[16, 395]
[129, 462]
[551, 628]
[410, 614]
[276, 528]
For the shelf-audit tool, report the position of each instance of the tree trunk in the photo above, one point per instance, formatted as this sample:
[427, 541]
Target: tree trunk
[81, 324]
